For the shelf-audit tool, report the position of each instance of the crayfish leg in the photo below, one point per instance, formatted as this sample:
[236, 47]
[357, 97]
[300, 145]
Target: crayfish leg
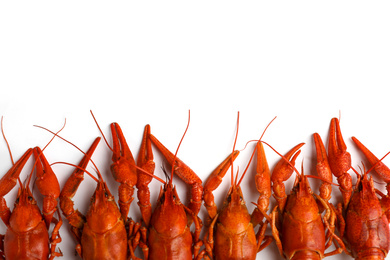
[55, 237]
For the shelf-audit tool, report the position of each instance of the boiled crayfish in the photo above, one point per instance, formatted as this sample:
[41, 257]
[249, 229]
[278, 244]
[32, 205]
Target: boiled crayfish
[231, 234]
[27, 235]
[101, 234]
[167, 234]
[299, 228]
[365, 218]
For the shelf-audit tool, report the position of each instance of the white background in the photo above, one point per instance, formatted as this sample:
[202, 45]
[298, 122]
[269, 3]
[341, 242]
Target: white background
[140, 63]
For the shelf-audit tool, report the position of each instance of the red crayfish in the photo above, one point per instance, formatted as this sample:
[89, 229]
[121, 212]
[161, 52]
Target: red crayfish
[231, 234]
[167, 234]
[364, 215]
[27, 235]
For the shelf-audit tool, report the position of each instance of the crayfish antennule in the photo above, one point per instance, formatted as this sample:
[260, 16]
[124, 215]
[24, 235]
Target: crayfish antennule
[235, 179]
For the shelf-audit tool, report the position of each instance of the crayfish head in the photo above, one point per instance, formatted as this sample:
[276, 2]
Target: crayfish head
[169, 217]
[26, 213]
[102, 197]
[301, 204]
[168, 196]
[234, 198]
[234, 214]
[103, 212]
[302, 186]
[25, 197]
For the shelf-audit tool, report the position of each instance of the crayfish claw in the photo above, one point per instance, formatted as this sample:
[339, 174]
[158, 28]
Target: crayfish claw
[339, 160]
[9, 180]
[123, 169]
[380, 168]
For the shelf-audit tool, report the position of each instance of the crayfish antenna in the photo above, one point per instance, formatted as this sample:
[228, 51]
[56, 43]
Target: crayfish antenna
[36, 165]
[101, 132]
[84, 153]
[234, 147]
[9, 149]
[177, 149]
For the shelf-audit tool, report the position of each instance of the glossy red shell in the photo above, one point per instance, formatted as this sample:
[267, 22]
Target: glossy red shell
[367, 227]
[27, 236]
[302, 229]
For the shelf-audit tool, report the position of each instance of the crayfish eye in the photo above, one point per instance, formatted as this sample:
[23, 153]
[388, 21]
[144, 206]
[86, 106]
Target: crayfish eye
[30, 198]
[229, 198]
[17, 201]
[106, 194]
